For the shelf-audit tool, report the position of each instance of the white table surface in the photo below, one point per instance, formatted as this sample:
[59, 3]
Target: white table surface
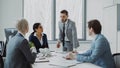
[82, 65]
[47, 64]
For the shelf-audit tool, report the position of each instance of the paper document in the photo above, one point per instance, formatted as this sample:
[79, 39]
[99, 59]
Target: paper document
[57, 61]
[42, 59]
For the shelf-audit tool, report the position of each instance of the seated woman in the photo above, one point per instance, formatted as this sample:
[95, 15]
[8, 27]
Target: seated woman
[38, 38]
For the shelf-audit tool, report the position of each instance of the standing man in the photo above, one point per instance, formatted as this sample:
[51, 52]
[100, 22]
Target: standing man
[67, 33]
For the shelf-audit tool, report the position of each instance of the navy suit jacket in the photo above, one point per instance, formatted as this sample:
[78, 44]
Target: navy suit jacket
[99, 53]
[37, 43]
[18, 54]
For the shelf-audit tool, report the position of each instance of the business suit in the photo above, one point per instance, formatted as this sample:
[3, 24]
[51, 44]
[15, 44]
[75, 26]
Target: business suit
[18, 53]
[70, 33]
[99, 53]
[1, 62]
[37, 43]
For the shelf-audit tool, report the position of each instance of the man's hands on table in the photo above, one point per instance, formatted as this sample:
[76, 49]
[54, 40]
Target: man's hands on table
[71, 55]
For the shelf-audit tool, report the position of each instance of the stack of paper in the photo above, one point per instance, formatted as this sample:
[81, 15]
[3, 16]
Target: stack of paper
[41, 59]
[57, 61]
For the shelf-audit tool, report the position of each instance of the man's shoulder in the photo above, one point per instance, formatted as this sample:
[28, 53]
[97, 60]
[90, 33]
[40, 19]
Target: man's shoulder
[102, 38]
[20, 39]
[71, 21]
[15, 41]
[17, 38]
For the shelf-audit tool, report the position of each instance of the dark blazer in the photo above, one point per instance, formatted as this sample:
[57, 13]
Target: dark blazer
[18, 54]
[99, 54]
[1, 62]
[37, 43]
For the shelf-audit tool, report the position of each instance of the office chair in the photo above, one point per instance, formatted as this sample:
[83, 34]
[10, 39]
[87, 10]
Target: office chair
[9, 33]
[117, 59]
[1, 47]
[1, 62]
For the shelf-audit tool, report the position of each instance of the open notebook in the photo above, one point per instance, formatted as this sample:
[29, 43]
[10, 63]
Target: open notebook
[41, 59]
[63, 62]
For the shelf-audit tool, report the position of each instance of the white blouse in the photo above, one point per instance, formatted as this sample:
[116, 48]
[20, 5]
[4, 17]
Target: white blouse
[41, 40]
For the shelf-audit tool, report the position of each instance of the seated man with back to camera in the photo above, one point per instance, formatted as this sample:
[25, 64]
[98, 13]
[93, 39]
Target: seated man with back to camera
[18, 54]
[99, 53]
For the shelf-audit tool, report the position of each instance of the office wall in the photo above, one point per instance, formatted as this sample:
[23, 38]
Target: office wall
[10, 11]
[94, 9]
[117, 1]
[111, 26]
[108, 3]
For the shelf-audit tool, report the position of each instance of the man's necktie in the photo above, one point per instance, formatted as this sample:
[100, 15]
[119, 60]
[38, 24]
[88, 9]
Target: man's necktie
[63, 34]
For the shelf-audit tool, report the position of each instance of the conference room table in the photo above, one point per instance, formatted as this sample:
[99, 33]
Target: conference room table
[60, 62]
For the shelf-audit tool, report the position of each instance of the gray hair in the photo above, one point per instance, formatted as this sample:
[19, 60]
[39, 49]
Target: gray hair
[22, 25]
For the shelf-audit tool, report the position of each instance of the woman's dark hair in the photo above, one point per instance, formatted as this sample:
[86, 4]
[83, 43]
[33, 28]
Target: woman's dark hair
[95, 24]
[35, 26]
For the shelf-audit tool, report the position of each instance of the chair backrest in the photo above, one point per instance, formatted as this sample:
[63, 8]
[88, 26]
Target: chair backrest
[117, 59]
[1, 47]
[1, 62]
[9, 33]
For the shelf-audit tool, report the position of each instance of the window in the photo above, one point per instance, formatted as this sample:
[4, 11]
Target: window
[74, 8]
[38, 11]
[42, 11]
